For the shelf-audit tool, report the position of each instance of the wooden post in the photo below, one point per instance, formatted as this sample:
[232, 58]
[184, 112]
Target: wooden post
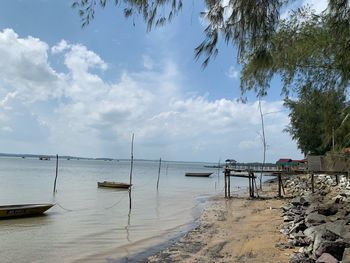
[229, 186]
[312, 183]
[252, 175]
[284, 193]
[336, 179]
[131, 166]
[225, 179]
[250, 185]
[279, 185]
[54, 185]
[160, 163]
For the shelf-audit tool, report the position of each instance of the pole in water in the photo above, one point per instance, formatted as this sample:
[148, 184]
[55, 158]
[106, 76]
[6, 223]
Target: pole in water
[160, 164]
[131, 166]
[54, 186]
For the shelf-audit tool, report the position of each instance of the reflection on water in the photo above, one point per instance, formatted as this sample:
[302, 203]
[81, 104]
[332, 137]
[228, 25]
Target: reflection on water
[92, 224]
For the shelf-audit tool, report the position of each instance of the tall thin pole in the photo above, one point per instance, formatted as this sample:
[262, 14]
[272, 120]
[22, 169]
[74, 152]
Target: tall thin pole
[132, 157]
[131, 166]
[54, 186]
[160, 164]
[264, 141]
[333, 139]
[219, 170]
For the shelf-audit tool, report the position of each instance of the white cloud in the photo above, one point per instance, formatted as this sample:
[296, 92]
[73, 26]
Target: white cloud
[24, 68]
[232, 73]
[60, 47]
[81, 113]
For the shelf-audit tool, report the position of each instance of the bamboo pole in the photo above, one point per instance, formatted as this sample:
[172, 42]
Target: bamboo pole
[250, 185]
[160, 164]
[229, 185]
[131, 167]
[225, 179]
[54, 185]
[279, 185]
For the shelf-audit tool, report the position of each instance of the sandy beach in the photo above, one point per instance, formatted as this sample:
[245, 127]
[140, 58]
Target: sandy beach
[233, 230]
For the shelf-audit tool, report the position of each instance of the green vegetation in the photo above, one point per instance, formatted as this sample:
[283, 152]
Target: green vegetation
[316, 117]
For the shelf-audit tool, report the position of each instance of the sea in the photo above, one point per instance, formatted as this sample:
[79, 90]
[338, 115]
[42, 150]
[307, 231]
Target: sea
[91, 224]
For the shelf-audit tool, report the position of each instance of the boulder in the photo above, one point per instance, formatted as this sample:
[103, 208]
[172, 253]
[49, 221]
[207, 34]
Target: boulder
[322, 236]
[300, 258]
[300, 226]
[326, 258]
[299, 201]
[346, 256]
[327, 210]
[314, 219]
[335, 248]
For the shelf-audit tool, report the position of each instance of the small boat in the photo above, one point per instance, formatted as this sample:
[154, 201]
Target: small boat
[198, 174]
[12, 211]
[114, 185]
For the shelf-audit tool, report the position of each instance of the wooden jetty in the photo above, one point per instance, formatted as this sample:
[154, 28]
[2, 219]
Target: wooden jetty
[250, 174]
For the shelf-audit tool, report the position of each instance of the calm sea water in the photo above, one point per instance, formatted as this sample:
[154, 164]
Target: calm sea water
[91, 224]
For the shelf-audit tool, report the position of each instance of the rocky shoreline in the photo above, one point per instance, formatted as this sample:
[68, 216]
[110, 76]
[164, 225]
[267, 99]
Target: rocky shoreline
[317, 224]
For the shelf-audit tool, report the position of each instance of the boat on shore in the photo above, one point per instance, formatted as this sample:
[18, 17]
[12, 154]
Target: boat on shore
[23, 210]
[114, 185]
[198, 174]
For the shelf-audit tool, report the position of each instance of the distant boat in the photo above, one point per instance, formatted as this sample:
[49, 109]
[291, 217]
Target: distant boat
[198, 174]
[114, 185]
[44, 158]
[12, 211]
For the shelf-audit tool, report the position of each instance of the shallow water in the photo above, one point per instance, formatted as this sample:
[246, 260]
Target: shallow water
[94, 224]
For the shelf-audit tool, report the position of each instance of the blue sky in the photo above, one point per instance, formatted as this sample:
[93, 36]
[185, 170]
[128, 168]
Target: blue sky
[74, 91]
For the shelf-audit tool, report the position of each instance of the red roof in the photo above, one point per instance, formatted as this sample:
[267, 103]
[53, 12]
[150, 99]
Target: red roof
[284, 160]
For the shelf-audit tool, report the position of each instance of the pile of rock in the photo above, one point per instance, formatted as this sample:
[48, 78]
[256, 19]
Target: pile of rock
[318, 224]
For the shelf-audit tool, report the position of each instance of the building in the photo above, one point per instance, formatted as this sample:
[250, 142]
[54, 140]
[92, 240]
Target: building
[289, 164]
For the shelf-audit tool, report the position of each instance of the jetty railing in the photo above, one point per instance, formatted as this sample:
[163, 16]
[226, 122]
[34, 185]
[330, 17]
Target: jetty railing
[249, 173]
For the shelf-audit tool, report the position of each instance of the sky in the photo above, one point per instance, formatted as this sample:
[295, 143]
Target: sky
[78, 91]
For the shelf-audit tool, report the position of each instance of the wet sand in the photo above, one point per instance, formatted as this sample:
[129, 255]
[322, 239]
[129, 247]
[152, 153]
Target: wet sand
[234, 230]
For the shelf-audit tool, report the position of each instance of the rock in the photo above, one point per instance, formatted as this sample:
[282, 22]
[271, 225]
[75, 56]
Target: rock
[314, 219]
[297, 227]
[300, 258]
[326, 258]
[300, 242]
[287, 218]
[286, 208]
[335, 248]
[327, 210]
[341, 214]
[346, 256]
[299, 201]
[339, 199]
[322, 236]
[346, 238]
[338, 227]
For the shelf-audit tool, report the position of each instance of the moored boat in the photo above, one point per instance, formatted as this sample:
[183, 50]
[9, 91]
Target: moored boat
[198, 174]
[114, 185]
[22, 210]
